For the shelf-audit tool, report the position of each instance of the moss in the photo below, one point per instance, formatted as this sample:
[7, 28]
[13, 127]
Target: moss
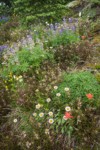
[94, 66]
[97, 66]
[96, 39]
[98, 77]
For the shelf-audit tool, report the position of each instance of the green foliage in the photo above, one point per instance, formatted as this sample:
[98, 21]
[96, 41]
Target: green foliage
[4, 9]
[63, 38]
[91, 9]
[24, 59]
[36, 11]
[71, 92]
[98, 77]
[80, 84]
[95, 1]
[49, 110]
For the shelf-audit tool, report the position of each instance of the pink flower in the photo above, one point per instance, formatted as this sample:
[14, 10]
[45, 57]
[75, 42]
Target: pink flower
[89, 96]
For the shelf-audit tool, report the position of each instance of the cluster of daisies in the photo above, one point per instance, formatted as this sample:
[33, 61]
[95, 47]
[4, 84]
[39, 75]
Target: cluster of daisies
[41, 114]
[59, 94]
[50, 114]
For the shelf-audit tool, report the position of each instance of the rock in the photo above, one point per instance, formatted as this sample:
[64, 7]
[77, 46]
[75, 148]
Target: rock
[73, 4]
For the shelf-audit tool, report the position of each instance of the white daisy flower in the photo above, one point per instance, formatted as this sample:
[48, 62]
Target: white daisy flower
[48, 100]
[50, 113]
[41, 114]
[51, 121]
[58, 94]
[15, 120]
[67, 108]
[38, 106]
[66, 89]
[34, 114]
[55, 87]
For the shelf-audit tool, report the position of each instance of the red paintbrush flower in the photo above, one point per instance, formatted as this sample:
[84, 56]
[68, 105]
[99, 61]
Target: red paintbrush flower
[89, 96]
[67, 115]
[83, 37]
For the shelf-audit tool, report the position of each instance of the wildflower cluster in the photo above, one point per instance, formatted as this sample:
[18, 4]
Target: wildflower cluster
[62, 109]
[46, 102]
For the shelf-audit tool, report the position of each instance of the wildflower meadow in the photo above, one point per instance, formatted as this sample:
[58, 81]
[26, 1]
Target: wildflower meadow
[49, 75]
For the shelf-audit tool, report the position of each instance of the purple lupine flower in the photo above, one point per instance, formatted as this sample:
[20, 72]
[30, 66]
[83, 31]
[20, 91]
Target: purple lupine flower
[56, 26]
[70, 20]
[73, 28]
[61, 31]
[51, 26]
[76, 20]
[12, 50]
[3, 47]
[4, 18]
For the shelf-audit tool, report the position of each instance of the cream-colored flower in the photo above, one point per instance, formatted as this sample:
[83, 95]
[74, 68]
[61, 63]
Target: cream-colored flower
[66, 89]
[20, 77]
[67, 108]
[15, 120]
[34, 114]
[41, 114]
[28, 144]
[55, 87]
[58, 94]
[50, 113]
[38, 106]
[37, 90]
[39, 147]
[46, 131]
[80, 14]
[17, 78]
[51, 47]
[48, 100]
[36, 136]
[51, 121]
[20, 80]
[14, 77]
[24, 134]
